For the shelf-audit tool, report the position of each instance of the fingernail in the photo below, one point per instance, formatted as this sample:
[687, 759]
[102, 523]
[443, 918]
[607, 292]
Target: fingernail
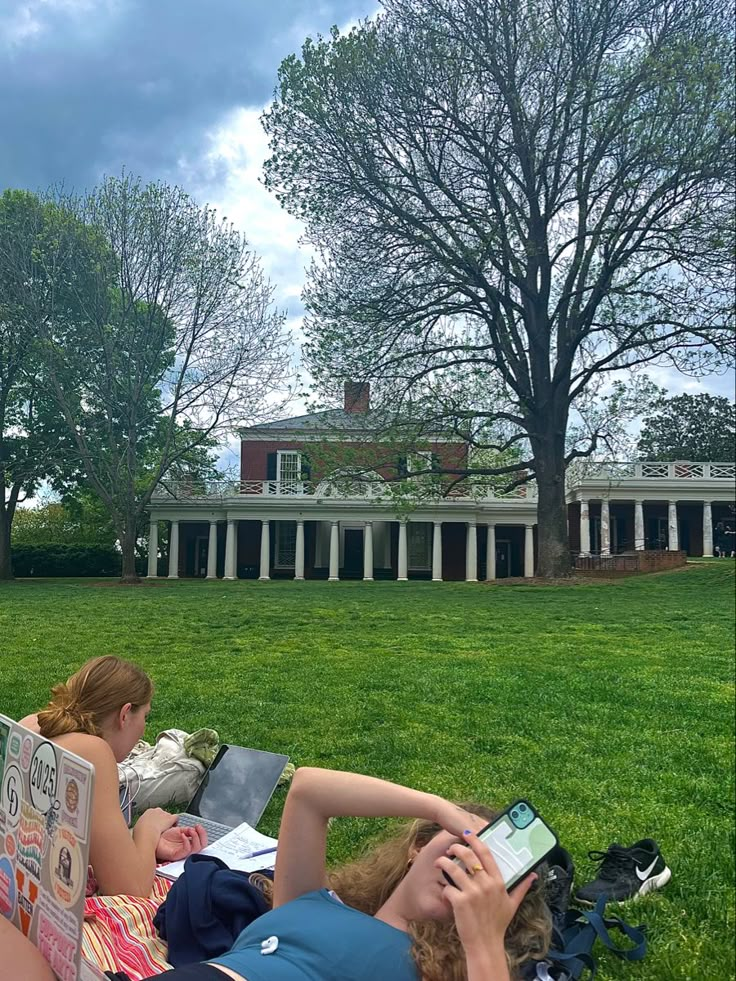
[467, 832]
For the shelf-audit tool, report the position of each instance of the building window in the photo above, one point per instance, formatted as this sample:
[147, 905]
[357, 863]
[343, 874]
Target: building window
[420, 461]
[289, 470]
[420, 546]
[285, 544]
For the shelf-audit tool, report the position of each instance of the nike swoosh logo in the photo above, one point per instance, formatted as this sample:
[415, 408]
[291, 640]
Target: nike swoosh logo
[643, 875]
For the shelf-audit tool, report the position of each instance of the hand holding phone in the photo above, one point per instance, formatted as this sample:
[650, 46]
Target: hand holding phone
[519, 841]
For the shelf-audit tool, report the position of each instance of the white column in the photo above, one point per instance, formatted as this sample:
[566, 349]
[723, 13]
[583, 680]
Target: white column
[673, 538]
[299, 557]
[230, 571]
[265, 569]
[153, 549]
[368, 552]
[605, 527]
[212, 552]
[437, 552]
[528, 551]
[403, 553]
[471, 553]
[334, 552]
[174, 551]
[584, 528]
[491, 553]
[707, 530]
[639, 526]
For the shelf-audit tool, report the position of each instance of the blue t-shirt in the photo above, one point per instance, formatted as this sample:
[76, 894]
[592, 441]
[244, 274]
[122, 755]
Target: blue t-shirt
[318, 938]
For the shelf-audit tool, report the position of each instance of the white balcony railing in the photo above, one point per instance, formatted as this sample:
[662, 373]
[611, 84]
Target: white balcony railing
[417, 490]
[343, 489]
[681, 470]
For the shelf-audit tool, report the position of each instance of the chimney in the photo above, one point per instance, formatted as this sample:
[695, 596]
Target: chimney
[357, 397]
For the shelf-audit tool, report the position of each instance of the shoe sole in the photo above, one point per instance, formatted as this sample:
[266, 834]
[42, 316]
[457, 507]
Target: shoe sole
[649, 885]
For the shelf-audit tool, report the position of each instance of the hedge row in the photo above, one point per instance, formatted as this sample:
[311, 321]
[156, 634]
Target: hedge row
[69, 560]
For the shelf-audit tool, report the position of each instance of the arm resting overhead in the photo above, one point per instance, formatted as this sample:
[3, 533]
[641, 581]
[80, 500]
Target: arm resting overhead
[317, 795]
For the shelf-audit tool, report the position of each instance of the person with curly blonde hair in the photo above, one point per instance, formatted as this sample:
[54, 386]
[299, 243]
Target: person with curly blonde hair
[100, 714]
[390, 916]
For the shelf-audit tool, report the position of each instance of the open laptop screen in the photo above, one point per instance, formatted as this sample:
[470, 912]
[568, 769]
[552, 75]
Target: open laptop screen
[238, 786]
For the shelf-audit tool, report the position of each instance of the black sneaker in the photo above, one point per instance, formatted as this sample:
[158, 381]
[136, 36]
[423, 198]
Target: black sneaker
[625, 873]
[557, 874]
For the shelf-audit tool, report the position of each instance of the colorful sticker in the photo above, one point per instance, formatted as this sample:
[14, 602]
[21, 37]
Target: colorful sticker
[7, 888]
[10, 848]
[31, 839]
[12, 794]
[43, 777]
[27, 896]
[68, 874]
[57, 938]
[74, 797]
[25, 756]
[14, 745]
[4, 736]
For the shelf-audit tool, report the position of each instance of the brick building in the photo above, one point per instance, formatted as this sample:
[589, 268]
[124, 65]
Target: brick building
[291, 516]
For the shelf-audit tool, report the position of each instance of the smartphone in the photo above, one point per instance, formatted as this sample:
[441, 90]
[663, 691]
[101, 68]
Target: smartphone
[519, 840]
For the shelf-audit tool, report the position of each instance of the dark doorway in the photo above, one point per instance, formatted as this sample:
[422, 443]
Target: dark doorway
[201, 548]
[684, 535]
[503, 559]
[353, 554]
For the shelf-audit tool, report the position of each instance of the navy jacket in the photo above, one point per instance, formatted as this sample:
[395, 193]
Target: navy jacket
[206, 910]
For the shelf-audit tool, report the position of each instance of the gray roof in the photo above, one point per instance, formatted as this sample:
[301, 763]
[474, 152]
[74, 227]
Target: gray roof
[328, 421]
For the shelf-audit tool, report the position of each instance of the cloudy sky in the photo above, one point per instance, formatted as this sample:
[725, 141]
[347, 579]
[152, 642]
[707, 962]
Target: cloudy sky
[169, 89]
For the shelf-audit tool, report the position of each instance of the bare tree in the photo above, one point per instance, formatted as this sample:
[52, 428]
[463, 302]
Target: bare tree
[533, 196]
[178, 342]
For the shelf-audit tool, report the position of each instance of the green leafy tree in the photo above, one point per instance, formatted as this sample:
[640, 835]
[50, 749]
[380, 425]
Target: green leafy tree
[42, 251]
[690, 427]
[537, 195]
[80, 521]
[178, 343]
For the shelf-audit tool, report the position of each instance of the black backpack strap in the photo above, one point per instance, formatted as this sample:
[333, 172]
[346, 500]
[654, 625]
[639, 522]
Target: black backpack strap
[602, 924]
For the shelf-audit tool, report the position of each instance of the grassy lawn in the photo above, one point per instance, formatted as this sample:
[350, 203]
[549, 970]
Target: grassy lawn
[610, 706]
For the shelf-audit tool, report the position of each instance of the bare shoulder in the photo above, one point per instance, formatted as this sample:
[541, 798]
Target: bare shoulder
[30, 722]
[91, 748]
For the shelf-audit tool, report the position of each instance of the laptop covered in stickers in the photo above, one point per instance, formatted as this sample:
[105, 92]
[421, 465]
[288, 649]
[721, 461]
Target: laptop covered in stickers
[45, 817]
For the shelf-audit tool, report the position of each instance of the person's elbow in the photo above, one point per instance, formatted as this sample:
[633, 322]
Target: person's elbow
[130, 882]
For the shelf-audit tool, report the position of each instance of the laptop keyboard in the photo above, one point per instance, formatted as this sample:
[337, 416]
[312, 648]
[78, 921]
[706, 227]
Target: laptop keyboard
[213, 829]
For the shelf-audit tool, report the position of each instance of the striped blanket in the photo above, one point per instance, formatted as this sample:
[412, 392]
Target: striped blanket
[119, 934]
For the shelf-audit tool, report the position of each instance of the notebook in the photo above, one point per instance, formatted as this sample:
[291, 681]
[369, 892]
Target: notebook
[234, 790]
[242, 848]
[45, 816]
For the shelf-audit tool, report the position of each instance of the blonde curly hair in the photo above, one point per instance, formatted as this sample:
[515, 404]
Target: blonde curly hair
[367, 883]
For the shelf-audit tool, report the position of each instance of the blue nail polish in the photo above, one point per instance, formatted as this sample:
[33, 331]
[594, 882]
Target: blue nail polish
[467, 832]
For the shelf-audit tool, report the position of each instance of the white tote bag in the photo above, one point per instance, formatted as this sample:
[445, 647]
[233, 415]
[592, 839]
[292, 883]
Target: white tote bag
[159, 775]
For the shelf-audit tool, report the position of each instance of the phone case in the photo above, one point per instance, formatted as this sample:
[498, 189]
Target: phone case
[520, 841]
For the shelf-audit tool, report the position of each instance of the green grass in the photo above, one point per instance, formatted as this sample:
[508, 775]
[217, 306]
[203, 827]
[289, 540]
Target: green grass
[610, 706]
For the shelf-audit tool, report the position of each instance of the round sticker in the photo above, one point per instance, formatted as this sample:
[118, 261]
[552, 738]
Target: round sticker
[25, 759]
[67, 874]
[12, 793]
[14, 745]
[10, 846]
[7, 889]
[43, 777]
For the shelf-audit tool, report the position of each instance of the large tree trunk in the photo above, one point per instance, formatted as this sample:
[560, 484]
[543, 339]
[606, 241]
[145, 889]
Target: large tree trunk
[6, 564]
[553, 544]
[127, 546]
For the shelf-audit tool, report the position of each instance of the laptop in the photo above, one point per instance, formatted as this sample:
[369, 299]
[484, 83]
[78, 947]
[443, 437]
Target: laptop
[236, 788]
[45, 816]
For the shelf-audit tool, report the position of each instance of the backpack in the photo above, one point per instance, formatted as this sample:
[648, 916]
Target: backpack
[570, 955]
